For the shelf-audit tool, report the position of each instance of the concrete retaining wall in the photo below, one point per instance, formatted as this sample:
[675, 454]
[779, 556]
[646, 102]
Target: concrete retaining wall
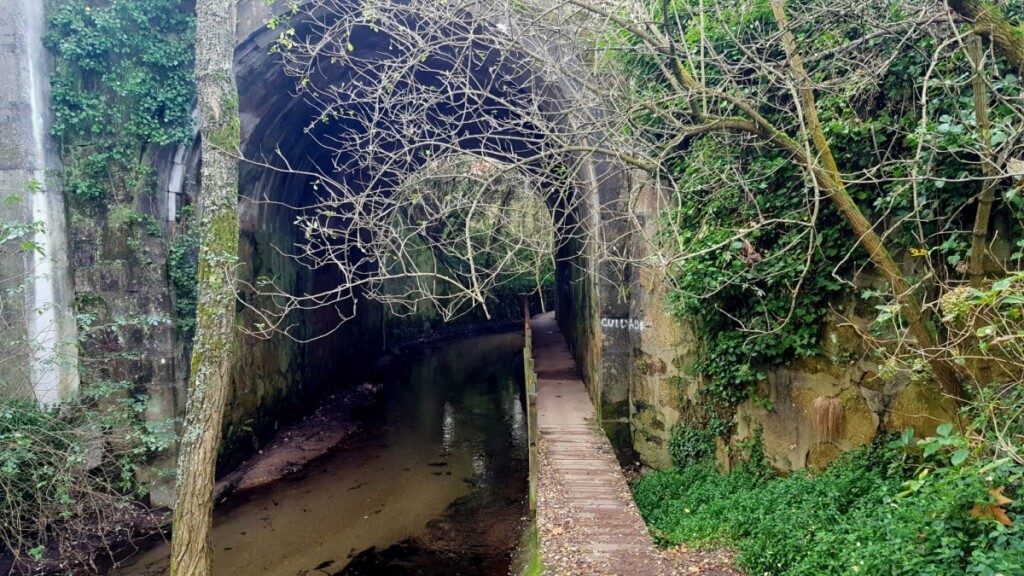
[36, 322]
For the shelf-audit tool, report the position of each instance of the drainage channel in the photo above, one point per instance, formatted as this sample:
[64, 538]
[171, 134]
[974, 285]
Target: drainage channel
[437, 486]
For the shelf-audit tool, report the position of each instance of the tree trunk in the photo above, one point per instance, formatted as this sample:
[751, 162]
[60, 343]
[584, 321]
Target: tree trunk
[979, 236]
[990, 21]
[831, 179]
[215, 317]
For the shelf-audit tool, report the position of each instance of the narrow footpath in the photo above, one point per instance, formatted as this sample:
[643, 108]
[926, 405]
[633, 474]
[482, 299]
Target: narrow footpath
[588, 521]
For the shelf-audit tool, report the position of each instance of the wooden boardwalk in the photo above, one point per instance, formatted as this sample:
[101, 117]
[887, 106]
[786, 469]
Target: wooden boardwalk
[586, 516]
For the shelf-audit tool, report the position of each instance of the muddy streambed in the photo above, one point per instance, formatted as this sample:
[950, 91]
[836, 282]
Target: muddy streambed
[436, 486]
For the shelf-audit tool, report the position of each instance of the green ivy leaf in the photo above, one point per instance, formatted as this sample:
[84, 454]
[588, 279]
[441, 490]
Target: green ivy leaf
[1002, 284]
[907, 436]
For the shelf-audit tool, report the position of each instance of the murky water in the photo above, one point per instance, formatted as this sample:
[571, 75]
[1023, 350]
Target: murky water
[437, 487]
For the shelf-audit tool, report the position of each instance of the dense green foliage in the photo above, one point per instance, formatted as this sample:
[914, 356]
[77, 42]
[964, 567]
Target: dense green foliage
[182, 268]
[757, 309]
[123, 86]
[71, 475]
[689, 445]
[931, 509]
[761, 253]
[123, 82]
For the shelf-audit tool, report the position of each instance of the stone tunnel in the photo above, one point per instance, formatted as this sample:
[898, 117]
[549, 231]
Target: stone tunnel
[272, 118]
[276, 377]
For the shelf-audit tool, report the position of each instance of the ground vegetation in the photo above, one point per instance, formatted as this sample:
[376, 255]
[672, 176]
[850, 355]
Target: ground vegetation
[895, 509]
[69, 474]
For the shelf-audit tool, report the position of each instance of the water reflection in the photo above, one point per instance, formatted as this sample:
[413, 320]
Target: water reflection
[448, 428]
[439, 483]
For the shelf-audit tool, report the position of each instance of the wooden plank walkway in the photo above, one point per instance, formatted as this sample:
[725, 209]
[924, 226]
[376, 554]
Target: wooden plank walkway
[587, 519]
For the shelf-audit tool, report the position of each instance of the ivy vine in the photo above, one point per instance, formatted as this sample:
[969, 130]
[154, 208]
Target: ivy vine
[123, 82]
[182, 269]
[755, 299]
[123, 85]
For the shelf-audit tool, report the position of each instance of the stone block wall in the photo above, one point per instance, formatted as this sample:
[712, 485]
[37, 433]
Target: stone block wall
[782, 410]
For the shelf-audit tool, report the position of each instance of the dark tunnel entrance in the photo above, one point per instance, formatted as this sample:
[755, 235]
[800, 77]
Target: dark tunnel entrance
[358, 114]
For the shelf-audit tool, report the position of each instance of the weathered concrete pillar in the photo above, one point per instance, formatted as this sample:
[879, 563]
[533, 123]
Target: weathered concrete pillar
[38, 324]
[611, 275]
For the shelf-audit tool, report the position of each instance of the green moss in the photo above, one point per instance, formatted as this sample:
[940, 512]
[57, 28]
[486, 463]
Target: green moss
[614, 410]
[656, 424]
[218, 252]
[621, 437]
[527, 560]
[229, 137]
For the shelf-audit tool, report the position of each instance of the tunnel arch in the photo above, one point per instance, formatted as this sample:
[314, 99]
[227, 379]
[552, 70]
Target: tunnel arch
[273, 375]
[507, 115]
[280, 126]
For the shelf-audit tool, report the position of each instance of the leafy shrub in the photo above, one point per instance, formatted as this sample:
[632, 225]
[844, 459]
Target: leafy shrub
[690, 446]
[738, 294]
[867, 514]
[67, 476]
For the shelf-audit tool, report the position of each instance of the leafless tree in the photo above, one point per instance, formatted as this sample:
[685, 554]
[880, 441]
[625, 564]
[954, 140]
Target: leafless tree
[459, 229]
[456, 165]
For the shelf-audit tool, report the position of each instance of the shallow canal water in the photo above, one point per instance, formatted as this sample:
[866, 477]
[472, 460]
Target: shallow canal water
[437, 485]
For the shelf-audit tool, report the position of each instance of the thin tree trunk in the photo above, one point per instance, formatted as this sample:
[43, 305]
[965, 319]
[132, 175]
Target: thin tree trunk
[991, 22]
[979, 236]
[832, 180]
[215, 318]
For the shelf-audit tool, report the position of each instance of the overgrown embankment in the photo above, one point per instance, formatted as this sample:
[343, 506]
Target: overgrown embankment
[841, 225]
[929, 508]
[71, 479]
